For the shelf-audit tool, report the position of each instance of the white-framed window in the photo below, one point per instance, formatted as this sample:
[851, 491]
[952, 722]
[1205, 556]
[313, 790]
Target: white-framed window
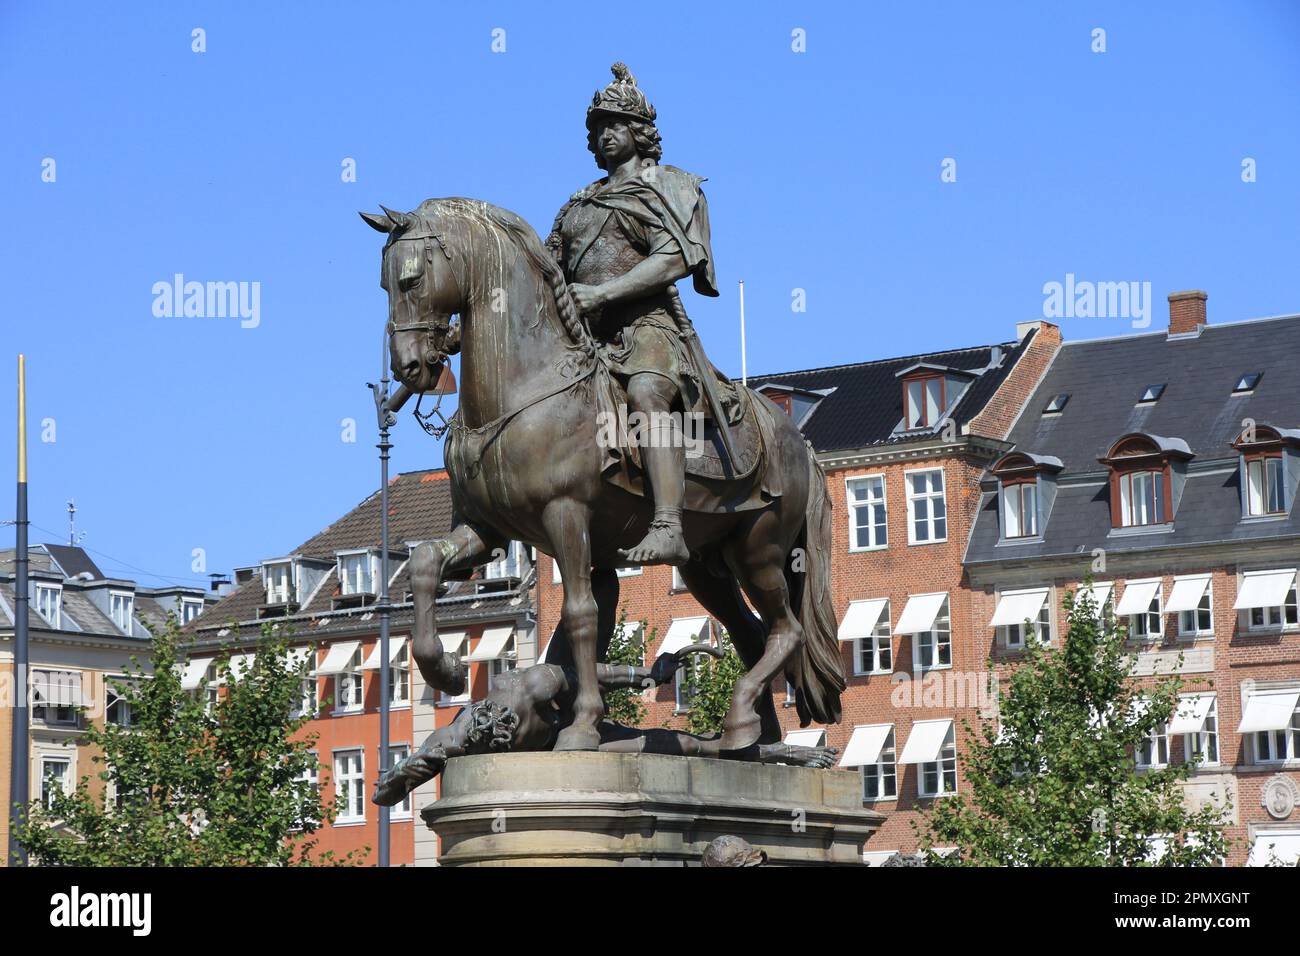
[925, 401]
[311, 777]
[1284, 615]
[350, 785]
[399, 688]
[49, 604]
[395, 753]
[628, 572]
[1013, 635]
[1200, 619]
[499, 666]
[307, 699]
[56, 778]
[1265, 486]
[1141, 498]
[868, 517]
[1148, 625]
[875, 654]
[940, 777]
[356, 573]
[349, 686]
[509, 562]
[684, 683]
[56, 696]
[927, 510]
[190, 609]
[880, 779]
[1153, 751]
[1020, 510]
[117, 710]
[279, 582]
[121, 606]
[1279, 746]
[932, 649]
[1205, 744]
[790, 696]
[678, 584]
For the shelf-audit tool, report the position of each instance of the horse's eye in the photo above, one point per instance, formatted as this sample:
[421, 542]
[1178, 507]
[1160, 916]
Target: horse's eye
[410, 274]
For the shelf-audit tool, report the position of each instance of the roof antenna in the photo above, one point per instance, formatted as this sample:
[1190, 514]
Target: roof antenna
[73, 538]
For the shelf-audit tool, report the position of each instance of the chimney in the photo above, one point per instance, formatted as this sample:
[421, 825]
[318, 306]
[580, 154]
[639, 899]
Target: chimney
[1186, 312]
[220, 582]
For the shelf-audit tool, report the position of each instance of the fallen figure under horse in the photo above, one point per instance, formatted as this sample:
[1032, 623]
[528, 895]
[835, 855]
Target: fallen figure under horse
[526, 708]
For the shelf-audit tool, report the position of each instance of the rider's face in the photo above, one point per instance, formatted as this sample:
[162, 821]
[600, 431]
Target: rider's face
[615, 143]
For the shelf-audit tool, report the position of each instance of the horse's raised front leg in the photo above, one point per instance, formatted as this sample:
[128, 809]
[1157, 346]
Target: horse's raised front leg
[568, 526]
[463, 548]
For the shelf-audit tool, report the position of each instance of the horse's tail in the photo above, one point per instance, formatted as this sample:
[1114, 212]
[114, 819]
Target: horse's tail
[815, 670]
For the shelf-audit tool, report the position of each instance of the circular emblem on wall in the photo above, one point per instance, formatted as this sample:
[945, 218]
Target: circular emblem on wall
[1280, 796]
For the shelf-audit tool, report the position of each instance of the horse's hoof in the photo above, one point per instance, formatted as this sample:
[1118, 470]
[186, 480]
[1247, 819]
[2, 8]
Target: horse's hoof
[578, 738]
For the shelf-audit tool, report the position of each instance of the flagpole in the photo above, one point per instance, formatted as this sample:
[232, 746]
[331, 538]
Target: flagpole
[744, 370]
[19, 786]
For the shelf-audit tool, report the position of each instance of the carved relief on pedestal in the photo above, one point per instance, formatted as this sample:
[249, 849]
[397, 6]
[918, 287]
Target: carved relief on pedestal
[1279, 796]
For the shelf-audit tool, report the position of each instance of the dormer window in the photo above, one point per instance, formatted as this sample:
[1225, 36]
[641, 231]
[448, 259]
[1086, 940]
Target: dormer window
[49, 604]
[279, 582]
[356, 573]
[923, 401]
[1026, 490]
[1146, 477]
[122, 609]
[508, 563]
[190, 609]
[1268, 469]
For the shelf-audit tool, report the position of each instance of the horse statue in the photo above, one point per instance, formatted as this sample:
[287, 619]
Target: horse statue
[527, 462]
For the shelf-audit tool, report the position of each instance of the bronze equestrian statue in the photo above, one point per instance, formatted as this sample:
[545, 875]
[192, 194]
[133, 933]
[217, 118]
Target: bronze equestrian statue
[556, 341]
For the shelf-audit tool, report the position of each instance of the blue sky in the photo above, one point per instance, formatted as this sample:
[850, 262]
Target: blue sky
[824, 175]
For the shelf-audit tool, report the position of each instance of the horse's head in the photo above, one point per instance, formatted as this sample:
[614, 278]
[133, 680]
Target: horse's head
[423, 295]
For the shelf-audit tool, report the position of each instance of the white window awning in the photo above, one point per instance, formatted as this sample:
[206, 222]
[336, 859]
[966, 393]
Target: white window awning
[1099, 593]
[194, 673]
[862, 618]
[452, 642]
[1190, 713]
[1137, 597]
[812, 737]
[339, 657]
[1264, 589]
[683, 631]
[56, 688]
[241, 664]
[926, 741]
[1187, 593]
[395, 646]
[920, 613]
[1284, 847]
[1015, 607]
[1269, 710]
[865, 745]
[492, 645]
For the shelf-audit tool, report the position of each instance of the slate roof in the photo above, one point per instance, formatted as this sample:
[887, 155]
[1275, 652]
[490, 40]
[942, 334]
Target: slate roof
[74, 560]
[1104, 378]
[867, 401]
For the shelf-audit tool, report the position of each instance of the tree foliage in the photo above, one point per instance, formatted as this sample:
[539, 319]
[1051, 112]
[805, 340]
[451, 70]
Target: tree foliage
[627, 706]
[194, 783]
[1059, 786]
[712, 681]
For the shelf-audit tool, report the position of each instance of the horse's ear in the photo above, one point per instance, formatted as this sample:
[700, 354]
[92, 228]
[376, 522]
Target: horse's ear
[377, 220]
[399, 219]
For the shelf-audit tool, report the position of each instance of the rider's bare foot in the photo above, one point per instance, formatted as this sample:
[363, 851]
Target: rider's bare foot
[663, 544]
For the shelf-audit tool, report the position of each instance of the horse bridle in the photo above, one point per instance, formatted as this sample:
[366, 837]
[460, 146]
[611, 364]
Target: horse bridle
[435, 354]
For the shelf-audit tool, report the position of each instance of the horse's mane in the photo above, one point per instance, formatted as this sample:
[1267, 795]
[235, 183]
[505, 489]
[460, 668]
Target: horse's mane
[525, 239]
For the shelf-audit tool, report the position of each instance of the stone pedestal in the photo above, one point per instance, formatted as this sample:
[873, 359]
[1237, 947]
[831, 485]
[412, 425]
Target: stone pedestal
[603, 809]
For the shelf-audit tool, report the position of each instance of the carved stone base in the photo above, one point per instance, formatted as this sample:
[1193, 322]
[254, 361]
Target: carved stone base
[602, 809]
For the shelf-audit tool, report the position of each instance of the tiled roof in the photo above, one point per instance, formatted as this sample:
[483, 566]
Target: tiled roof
[867, 402]
[1104, 379]
[74, 560]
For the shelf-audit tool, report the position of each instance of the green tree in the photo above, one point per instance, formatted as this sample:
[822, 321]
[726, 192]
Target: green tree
[1059, 785]
[627, 706]
[710, 682]
[191, 782]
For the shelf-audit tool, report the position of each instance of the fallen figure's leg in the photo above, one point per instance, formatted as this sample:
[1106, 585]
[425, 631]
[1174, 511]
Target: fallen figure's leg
[615, 738]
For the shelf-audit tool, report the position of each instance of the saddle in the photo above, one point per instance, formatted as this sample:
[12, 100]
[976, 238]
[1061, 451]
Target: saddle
[713, 481]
